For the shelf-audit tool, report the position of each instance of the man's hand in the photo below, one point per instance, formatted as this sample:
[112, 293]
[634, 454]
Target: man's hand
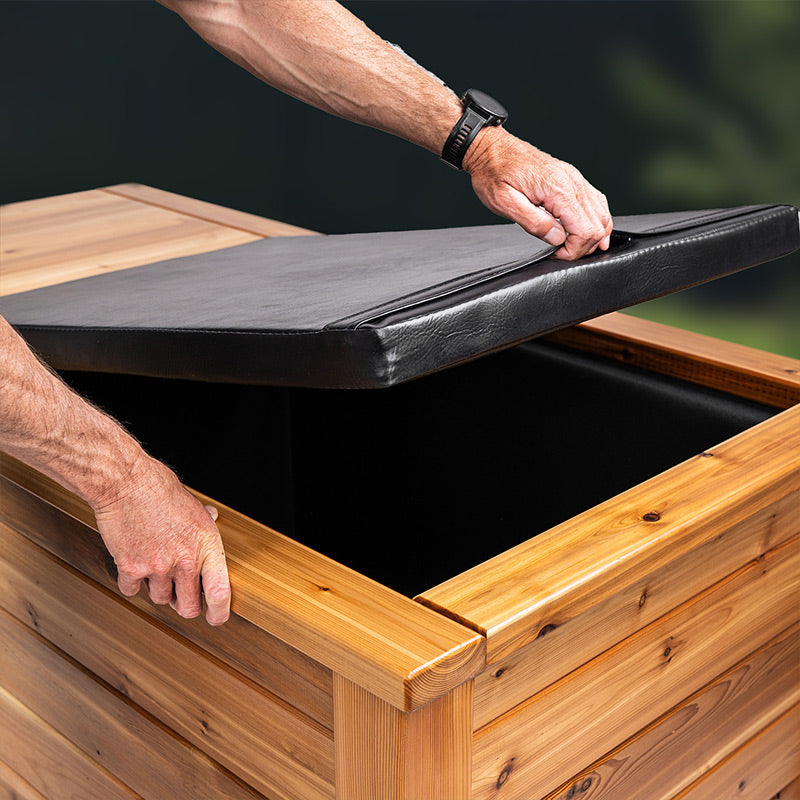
[160, 534]
[549, 198]
[155, 530]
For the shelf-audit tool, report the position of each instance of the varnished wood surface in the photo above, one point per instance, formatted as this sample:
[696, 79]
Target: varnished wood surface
[253, 734]
[532, 668]
[14, 787]
[211, 212]
[734, 368]
[384, 753]
[789, 792]
[560, 573]
[401, 651]
[127, 742]
[281, 670]
[41, 764]
[597, 707]
[702, 732]
[72, 236]
[758, 768]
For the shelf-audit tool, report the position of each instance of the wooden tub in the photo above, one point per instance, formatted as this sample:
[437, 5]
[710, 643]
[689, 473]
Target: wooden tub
[571, 569]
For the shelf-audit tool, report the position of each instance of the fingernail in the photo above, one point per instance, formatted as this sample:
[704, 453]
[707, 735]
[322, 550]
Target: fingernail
[555, 236]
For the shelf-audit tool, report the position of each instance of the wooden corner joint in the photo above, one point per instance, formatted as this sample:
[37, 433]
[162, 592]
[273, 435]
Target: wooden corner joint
[440, 675]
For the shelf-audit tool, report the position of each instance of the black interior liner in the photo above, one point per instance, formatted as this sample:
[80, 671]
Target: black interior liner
[415, 484]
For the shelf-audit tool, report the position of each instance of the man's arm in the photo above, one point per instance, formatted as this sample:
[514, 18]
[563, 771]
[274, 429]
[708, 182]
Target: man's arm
[321, 54]
[155, 530]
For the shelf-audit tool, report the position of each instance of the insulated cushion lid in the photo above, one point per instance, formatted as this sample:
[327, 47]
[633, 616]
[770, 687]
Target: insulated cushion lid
[370, 310]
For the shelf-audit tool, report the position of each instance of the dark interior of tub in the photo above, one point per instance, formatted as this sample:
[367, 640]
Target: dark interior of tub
[413, 484]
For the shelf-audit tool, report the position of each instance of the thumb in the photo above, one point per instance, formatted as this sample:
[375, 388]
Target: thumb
[533, 219]
[212, 512]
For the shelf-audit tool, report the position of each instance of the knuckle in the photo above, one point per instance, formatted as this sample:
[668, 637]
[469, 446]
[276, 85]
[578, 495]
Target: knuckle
[217, 593]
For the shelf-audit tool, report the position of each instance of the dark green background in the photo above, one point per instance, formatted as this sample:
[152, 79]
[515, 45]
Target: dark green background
[663, 106]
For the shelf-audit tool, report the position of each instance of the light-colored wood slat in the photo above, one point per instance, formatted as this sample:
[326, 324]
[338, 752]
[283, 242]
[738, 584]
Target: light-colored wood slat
[405, 653]
[269, 662]
[758, 768]
[47, 764]
[734, 368]
[533, 667]
[388, 754]
[13, 787]
[130, 743]
[230, 218]
[701, 732]
[558, 574]
[266, 743]
[134, 747]
[64, 238]
[543, 742]
[789, 792]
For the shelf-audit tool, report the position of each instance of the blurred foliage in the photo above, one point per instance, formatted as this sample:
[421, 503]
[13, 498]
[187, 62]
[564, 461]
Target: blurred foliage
[723, 128]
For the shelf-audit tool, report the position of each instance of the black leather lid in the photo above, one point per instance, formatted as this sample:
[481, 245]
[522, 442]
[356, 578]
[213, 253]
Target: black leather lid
[371, 310]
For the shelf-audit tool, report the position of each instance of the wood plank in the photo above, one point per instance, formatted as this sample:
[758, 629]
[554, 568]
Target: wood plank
[266, 743]
[282, 670]
[385, 753]
[734, 368]
[701, 732]
[105, 725]
[240, 220]
[789, 792]
[552, 736]
[43, 763]
[13, 787]
[79, 235]
[406, 654]
[758, 768]
[531, 668]
[560, 573]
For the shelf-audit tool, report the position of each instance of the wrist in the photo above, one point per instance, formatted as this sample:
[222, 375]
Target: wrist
[134, 473]
[488, 141]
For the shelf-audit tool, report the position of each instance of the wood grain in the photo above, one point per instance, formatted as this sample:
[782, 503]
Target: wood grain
[546, 659]
[789, 792]
[46, 764]
[13, 787]
[560, 573]
[283, 671]
[757, 769]
[79, 235]
[700, 733]
[737, 369]
[405, 653]
[266, 743]
[591, 711]
[385, 753]
[239, 220]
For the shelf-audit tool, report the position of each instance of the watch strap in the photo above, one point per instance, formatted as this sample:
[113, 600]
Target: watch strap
[461, 137]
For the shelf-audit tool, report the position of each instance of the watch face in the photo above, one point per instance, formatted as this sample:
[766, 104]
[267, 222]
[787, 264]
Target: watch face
[482, 102]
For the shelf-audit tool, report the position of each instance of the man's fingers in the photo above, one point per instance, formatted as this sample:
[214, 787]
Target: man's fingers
[216, 587]
[533, 219]
[188, 600]
[160, 588]
[128, 585]
[213, 513]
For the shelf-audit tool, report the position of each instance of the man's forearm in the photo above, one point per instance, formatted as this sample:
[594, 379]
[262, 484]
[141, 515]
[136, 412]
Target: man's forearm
[45, 424]
[320, 53]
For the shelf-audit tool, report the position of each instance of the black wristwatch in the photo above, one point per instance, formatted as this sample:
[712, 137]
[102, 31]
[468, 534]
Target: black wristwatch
[479, 110]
